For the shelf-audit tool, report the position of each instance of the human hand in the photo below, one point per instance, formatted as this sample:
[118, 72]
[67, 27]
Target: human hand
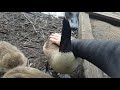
[55, 38]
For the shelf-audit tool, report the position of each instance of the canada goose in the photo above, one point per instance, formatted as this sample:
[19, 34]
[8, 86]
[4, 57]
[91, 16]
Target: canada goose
[60, 58]
[10, 57]
[26, 72]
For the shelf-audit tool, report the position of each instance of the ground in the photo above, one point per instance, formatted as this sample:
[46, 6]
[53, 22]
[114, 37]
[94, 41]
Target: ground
[28, 32]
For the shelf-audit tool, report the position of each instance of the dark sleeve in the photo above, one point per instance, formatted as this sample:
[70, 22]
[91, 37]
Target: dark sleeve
[105, 54]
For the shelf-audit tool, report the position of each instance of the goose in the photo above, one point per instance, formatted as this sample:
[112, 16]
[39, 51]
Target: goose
[25, 72]
[10, 57]
[61, 58]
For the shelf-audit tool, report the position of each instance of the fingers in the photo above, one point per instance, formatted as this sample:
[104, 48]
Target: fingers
[55, 34]
[55, 38]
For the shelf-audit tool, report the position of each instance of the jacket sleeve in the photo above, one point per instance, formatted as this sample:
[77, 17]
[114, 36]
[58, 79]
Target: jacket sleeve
[105, 54]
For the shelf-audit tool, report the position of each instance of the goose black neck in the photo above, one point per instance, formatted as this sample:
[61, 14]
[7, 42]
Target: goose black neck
[65, 44]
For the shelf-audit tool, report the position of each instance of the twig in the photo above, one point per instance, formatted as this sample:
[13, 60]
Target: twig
[24, 37]
[43, 34]
[30, 22]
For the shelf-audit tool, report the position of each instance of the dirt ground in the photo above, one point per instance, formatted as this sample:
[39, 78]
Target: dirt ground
[29, 31]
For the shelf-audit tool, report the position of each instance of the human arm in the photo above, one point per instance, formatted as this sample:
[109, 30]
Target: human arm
[105, 54]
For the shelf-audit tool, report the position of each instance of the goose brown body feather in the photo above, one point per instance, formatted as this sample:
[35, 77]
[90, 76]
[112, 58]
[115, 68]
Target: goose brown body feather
[10, 56]
[26, 72]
